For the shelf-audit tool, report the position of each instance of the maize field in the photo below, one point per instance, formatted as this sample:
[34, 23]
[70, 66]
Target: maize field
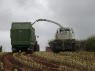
[48, 61]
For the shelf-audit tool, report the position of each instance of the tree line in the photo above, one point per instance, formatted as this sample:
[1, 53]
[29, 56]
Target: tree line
[86, 45]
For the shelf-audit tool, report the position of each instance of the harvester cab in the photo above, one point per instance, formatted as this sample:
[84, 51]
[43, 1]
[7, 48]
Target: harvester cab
[63, 34]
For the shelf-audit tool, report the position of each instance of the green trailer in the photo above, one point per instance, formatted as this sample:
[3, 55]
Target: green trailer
[23, 37]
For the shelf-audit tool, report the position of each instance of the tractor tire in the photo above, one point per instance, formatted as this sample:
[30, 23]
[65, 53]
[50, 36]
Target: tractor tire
[36, 48]
[14, 50]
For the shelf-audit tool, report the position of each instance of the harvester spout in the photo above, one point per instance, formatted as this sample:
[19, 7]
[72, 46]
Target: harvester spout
[48, 21]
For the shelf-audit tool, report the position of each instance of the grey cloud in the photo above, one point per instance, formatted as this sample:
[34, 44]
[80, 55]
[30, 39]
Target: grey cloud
[73, 7]
[79, 14]
[22, 2]
[5, 20]
[13, 10]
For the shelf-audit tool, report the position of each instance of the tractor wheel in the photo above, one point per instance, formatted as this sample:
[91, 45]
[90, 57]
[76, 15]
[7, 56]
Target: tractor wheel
[37, 48]
[30, 49]
[14, 50]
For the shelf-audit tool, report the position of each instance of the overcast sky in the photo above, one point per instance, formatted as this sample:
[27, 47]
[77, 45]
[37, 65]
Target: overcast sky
[78, 14]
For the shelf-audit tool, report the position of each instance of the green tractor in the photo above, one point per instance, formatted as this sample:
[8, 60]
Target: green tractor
[23, 38]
